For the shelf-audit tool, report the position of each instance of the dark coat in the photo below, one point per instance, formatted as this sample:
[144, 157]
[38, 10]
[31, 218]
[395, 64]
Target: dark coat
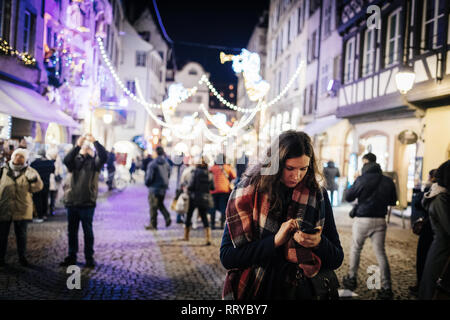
[372, 205]
[45, 168]
[330, 173]
[438, 207]
[83, 188]
[199, 187]
[157, 176]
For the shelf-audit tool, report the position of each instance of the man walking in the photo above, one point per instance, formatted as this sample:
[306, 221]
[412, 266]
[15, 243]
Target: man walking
[84, 163]
[157, 181]
[45, 168]
[375, 192]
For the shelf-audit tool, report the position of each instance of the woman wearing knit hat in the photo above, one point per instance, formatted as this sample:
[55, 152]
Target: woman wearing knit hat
[17, 182]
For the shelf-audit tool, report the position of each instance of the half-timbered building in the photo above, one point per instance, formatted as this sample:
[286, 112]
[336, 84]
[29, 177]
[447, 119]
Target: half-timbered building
[409, 131]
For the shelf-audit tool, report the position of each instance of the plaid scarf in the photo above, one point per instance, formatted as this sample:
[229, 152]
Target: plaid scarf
[248, 216]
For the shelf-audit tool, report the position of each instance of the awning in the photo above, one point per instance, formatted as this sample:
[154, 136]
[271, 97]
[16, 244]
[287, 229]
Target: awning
[24, 103]
[320, 125]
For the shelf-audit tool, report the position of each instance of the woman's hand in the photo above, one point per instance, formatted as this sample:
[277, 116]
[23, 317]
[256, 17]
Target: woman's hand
[285, 232]
[308, 240]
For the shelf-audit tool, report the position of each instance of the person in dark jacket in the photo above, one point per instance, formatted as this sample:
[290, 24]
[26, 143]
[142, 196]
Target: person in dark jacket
[375, 192]
[84, 165]
[331, 173]
[157, 180]
[45, 168]
[199, 187]
[421, 225]
[111, 168]
[437, 202]
[280, 231]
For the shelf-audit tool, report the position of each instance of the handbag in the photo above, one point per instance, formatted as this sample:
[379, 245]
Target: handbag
[204, 200]
[352, 212]
[417, 226]
[182, 204]
[325, 285]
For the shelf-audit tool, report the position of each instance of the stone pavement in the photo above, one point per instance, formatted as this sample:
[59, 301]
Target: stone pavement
[134, 263]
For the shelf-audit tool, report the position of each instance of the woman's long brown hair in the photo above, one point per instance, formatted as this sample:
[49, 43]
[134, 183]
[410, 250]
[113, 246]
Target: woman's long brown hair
[291, 144]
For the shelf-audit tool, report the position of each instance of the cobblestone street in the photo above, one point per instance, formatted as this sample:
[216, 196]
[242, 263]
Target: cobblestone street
[134, 263]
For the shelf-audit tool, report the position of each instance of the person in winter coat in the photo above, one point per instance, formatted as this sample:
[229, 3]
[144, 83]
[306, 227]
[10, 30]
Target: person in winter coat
[331, 173]
[84, 164]
[421, 225]
[437, 202]
[157, 181]
[280, 236]
[200, 185]
[17, 182]
[375, 192]
[45, 168]
[223, 175]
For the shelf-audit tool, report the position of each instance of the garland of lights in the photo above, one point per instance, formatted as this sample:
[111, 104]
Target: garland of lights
[233, 131]
[7, 50]
[205, 80]
[230, 131]
[192, 91]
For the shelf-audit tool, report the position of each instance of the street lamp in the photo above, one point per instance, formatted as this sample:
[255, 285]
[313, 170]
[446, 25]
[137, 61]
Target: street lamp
[405, 79]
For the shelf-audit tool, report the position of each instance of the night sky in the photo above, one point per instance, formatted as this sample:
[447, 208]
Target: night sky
[218, 23]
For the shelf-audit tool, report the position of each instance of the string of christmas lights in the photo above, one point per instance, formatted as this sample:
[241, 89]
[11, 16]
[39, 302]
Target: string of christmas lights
[116, 77]
[204, 79]
[24, 57]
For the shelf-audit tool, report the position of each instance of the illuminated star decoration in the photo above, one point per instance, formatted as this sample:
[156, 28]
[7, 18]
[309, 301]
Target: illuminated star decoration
[249, 64]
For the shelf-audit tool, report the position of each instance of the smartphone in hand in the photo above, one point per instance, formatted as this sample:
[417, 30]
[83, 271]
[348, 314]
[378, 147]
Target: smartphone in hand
[306, 227]
[310, 231]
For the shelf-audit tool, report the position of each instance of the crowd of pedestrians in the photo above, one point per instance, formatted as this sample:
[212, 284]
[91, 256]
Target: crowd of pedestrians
[280, 240]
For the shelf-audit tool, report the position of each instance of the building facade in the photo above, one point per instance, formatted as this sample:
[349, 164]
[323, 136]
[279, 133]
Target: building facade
[292, 41]
[24, 78]
[256, 44]
[142, 70]
[408, 132]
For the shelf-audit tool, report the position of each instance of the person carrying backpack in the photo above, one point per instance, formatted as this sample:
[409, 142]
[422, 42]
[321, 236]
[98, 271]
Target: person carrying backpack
[199, 188]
